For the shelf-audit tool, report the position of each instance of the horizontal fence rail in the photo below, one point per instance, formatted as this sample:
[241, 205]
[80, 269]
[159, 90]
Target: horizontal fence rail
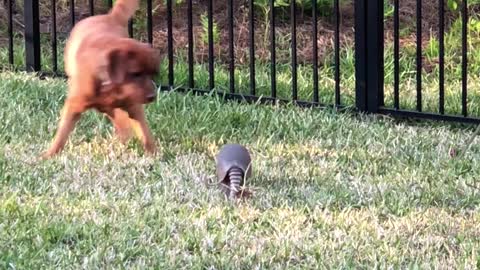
[370, 70]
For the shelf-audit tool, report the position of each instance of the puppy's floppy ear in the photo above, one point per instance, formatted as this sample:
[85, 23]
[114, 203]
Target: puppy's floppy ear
[113, 67]
[151, 57]
[156, 59]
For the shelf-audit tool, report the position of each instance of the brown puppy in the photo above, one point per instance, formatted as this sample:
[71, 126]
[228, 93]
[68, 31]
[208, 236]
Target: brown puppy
[109, 72]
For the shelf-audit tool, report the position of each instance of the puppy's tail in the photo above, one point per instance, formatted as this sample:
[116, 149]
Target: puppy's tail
[123, 10]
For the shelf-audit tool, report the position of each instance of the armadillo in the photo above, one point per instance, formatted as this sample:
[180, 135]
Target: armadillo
[233, 166]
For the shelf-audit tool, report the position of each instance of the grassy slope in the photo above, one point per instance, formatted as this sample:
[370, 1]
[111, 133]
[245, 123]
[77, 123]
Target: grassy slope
[330, 190]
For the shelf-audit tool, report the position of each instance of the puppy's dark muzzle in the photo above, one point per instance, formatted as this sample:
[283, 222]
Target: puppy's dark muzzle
[150, 97]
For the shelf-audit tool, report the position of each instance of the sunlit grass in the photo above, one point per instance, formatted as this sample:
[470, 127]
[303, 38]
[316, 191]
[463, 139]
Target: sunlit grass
[329, 189]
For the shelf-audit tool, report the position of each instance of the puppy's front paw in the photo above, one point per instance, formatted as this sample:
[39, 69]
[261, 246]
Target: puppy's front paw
[49, 153]
[46, 155]
[150, 148]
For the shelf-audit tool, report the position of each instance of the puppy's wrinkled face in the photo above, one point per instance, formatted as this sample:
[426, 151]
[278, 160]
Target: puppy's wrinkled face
[127, 76]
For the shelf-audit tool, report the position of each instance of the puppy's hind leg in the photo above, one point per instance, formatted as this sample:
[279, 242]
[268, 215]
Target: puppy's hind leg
[70, 116]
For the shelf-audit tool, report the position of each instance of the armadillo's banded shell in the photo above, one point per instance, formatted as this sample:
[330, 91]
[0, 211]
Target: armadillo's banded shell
[233, 155]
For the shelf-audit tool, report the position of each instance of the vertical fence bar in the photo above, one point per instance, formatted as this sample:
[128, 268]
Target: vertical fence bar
[396, 72]
[464, 56]
[91, 6]
[419, 55]
[369, 55]
[441, 62]
[374, 54]
[337, 52]
[109, 2]
[231, 48]
[293, 14]
[10, 31]
[191, 81]
[315, 51]
[361, 55]
[54, 36]
[171, 81]
[211, 67]
[273, 67]
[252, 46]
[72, 13]
[149, 22]
[130, 28]
[32, 35]
[380, 53]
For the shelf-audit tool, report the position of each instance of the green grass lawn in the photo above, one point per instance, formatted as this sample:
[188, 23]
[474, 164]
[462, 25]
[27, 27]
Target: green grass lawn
[330, 190]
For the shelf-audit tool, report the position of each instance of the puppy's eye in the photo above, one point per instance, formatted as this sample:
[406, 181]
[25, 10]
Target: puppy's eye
[136, 74]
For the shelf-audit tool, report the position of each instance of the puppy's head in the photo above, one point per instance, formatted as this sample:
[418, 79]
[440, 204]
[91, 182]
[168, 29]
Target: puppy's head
[126, 74]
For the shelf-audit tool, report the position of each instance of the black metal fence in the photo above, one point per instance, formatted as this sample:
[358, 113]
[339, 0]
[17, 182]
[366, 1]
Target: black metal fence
[369, 92]
[418, 112]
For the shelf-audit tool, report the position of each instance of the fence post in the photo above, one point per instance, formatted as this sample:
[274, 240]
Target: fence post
[360, 55]
[32, 35]
[369, 71]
